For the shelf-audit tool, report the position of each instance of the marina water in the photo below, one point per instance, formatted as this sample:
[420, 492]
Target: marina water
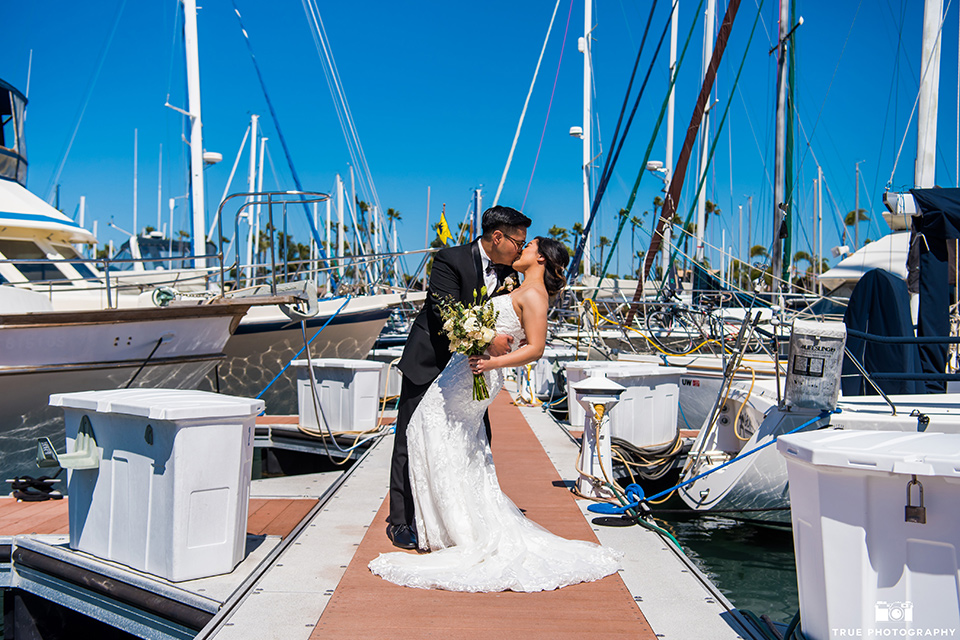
[753, 566]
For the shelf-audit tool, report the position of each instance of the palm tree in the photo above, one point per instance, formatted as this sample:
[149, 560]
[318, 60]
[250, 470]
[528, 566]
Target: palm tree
[689, 231]
[602, 243]
[759, 251]
[634, 223]
[577, 229]
[804, 280]
[709, 209]
[559, 234]
[853, 218]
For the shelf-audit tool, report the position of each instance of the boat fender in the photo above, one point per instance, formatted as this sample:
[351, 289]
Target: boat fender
[306, 307]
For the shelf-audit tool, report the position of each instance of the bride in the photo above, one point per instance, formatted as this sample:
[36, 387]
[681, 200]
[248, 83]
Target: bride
[477, 538]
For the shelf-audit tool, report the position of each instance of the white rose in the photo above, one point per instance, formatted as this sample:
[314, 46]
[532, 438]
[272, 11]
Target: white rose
[489, 335]
[448, 325]
[470, 324]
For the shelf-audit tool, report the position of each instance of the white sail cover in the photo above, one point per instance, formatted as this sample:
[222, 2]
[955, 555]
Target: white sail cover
[20, 208]
[889, 253]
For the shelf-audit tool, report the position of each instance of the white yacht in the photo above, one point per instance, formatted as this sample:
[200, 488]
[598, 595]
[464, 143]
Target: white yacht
[85, 343]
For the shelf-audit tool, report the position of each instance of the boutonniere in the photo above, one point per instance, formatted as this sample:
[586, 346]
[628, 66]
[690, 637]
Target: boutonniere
[509, 284]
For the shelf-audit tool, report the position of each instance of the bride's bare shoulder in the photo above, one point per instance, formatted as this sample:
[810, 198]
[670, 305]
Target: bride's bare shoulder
[531, 296]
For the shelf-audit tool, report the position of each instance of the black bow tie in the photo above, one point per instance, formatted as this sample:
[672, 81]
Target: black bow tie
[492, 269]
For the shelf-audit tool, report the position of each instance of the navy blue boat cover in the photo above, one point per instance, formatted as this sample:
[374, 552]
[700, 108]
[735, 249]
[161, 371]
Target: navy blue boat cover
[880, 305]
[939, 222]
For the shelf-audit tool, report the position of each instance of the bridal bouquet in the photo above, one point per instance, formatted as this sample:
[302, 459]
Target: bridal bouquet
[470, 328]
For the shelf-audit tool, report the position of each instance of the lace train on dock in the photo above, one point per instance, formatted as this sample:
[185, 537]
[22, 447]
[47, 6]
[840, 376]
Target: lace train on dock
[478, 539]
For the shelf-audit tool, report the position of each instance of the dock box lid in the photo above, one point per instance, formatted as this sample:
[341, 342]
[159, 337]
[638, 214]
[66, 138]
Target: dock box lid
[160, 404]
[926, 454]
[622, 369]
[340, 363]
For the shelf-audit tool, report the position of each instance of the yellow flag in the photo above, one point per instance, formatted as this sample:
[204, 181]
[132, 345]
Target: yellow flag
[443, 231]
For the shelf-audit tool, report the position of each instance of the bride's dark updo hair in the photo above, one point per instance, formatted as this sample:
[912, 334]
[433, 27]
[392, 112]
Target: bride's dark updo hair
[555, 257]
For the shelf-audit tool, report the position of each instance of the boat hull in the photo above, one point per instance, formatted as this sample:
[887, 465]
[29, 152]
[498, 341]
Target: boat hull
[45, 353]
[266, 342]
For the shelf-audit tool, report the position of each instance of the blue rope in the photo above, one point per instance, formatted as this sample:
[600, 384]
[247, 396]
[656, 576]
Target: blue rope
[680, 407]
[304, 346]
[635, 493]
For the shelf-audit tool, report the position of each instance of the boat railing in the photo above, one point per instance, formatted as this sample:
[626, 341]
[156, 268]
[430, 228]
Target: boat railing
[111, 281]
[374, 271]
[918, 340]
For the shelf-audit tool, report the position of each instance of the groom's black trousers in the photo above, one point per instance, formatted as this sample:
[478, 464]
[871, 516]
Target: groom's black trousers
[401, 494]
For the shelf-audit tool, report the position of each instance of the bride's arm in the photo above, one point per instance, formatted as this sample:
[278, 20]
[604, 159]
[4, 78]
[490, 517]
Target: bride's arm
[533, 318]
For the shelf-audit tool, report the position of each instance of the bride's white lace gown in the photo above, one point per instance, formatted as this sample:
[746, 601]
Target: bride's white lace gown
[477, 538]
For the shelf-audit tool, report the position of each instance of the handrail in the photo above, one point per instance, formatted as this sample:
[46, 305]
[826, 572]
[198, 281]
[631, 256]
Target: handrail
[306, 197]
[869, 378]
[903, 339]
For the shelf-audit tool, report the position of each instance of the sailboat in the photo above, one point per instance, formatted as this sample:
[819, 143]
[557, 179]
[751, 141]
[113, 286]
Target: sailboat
[753, 484]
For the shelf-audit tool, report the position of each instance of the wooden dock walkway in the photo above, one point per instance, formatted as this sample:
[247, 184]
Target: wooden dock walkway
[366, 606]
[314, 582]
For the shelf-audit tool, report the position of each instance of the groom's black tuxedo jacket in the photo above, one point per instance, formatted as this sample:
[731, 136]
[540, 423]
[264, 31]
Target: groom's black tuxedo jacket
[457, 273]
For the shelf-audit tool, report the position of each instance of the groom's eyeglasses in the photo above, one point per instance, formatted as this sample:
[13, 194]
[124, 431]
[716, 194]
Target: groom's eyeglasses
[517, 243]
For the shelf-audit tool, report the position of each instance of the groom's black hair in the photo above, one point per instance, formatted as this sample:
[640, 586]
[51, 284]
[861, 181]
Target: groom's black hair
[502, 218]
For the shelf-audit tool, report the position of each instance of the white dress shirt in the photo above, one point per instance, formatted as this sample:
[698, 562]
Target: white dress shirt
[489, 276]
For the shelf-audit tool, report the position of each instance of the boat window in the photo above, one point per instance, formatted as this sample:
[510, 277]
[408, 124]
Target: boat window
[70, 253]
[8, 137]
[153, 250]
[6, 129]
[13, 152]
[26, 250]
[122, 254]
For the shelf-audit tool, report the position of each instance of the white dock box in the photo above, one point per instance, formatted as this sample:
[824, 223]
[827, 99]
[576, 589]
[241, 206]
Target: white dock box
[541, 371]
[861, 567]
[170, 496]
[348, 392]
[647, 412]
[390, 377]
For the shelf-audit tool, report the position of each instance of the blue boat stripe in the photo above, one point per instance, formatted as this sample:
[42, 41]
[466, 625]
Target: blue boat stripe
[38, 217]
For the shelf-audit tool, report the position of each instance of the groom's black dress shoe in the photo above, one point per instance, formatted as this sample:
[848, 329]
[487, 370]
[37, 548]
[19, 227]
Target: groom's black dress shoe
[402, 536]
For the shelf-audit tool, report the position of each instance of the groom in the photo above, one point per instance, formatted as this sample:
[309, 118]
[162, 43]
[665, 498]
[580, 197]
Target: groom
[457, 273]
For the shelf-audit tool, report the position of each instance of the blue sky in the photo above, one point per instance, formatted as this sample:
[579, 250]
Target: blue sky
[436, 89]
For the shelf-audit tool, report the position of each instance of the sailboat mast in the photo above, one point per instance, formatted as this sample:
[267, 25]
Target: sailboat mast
[196, 129]
[251, 187]
[665, 256]
[926, 164]
[587, 117]
[819, 269]
[708, 24]
[780, 148]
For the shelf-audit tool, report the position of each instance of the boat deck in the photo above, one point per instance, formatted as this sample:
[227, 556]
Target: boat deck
[306, 575]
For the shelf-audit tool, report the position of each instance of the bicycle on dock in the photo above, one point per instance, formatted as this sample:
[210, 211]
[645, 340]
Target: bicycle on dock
[678, 328]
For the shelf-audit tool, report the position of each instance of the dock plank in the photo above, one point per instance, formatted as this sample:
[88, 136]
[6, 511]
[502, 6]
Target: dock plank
[268, 521]
[365, 606]
[266, 516]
